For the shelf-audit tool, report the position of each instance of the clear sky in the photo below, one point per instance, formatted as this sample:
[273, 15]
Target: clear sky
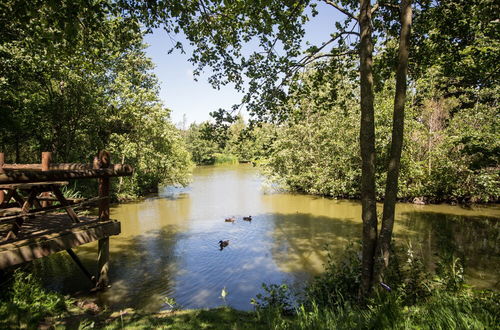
[196, 99]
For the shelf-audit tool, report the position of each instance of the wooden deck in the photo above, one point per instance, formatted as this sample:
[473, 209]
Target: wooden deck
[30, 229]
[51, 233]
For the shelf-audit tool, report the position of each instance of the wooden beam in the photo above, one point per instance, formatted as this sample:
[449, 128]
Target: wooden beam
[2, 160]
[56, 175]
[42, 186]
[80, 265]
[46, 158]
[60, 197]
[52, 208]
[103, 161]
[59, 167]
[19, 252]
[103, 263]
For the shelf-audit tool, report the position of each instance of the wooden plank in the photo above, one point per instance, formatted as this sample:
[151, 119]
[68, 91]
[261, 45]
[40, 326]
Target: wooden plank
[40, 185]
[54, 207]
[44, 231]
[54, 199]
[10, 211]
[103, 263]
[60, 167]
[65, 204]
[80, 265]
[49, 176]
[15, 253]
[46, 158]
[16, 226]
[2, 161]
[103, 161]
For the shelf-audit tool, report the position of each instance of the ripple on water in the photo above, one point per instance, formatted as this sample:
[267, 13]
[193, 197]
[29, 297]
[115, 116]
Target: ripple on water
[169, 244]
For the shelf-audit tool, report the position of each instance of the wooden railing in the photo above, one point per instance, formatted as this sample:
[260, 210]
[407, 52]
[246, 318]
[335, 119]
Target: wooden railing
[38, 181]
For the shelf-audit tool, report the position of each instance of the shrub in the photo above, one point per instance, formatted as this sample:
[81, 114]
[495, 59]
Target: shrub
[24, 302]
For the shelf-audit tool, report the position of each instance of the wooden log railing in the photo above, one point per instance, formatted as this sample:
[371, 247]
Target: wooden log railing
[50, 173]
[26, 176]
[59, 167]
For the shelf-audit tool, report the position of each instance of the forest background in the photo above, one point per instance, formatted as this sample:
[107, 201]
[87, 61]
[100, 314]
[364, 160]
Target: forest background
[75, 80]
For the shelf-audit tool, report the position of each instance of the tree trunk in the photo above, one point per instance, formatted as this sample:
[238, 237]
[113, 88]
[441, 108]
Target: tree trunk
[391, 188]
[367, 144]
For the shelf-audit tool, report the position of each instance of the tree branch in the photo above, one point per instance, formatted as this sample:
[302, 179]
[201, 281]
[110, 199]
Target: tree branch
[318, 56]
[341, 9]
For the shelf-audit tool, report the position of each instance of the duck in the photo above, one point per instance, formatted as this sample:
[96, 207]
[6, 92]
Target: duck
[249, 218]
[223, 244]
[231, 219]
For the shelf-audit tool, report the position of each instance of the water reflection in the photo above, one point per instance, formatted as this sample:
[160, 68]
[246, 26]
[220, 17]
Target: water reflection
[169, 243]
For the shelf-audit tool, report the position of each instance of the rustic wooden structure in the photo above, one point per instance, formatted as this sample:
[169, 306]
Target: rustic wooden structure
[29, 227]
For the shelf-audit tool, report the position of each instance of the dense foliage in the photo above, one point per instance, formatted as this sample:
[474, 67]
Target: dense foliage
[24, 302]
[451, 150]
[234, 142]
[74, 80]
[410, 298]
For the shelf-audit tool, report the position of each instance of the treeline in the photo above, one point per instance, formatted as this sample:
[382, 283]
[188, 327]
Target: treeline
[74, 79]
[451, 150]
[230, 142]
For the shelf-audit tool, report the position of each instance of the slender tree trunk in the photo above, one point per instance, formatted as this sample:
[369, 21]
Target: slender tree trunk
[391, 188]
[367, 144]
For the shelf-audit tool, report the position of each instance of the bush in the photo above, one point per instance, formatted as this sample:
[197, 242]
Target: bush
[24, 302]
[417, 299]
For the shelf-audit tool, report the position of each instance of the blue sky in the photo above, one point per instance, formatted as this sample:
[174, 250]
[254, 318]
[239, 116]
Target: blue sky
[196, 99]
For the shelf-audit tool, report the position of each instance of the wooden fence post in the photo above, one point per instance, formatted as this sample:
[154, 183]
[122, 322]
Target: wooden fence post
[103, 161]
[46, 158]
[2, 161]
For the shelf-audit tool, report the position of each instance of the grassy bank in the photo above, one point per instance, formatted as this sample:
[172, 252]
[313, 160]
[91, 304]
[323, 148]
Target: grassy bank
[412, 299]
[441, 311]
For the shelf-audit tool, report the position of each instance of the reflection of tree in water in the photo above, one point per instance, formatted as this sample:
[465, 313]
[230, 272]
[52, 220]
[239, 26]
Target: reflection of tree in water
[141, 271]
[474, 239]
[300, 240]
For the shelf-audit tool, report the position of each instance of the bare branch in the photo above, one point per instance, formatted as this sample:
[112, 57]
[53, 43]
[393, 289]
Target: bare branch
[341, 9]
[318, 56]
[375, 7]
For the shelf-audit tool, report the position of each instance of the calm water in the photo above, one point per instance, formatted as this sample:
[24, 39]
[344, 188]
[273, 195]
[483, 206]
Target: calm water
[168, 246]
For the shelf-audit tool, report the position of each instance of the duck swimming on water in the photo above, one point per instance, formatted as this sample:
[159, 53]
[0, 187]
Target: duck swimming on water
[249, 218]
[231, 219]
[223, 244]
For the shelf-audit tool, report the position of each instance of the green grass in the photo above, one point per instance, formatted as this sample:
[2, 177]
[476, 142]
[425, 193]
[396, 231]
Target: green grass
[441, 311]
[220, 159]
[417, 300]
[217, 318]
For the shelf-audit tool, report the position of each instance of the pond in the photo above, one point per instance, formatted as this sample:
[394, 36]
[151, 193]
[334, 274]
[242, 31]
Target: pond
[169, 243]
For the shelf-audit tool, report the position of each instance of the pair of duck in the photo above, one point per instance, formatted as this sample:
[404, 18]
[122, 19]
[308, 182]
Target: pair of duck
[233, 219]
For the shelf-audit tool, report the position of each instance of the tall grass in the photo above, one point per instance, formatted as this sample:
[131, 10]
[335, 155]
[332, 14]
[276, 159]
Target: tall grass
[417, 299]
[220, 159]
